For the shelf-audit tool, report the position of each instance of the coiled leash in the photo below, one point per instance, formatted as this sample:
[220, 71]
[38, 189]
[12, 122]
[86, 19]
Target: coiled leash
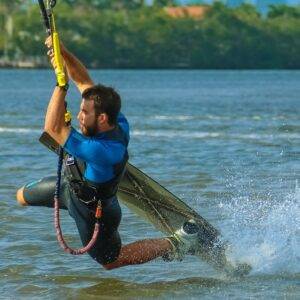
[49, 23]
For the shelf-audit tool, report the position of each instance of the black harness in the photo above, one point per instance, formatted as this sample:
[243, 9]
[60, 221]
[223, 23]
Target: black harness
[89, 191]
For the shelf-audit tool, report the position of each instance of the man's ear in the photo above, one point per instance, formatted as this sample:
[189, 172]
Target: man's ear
[102, 118]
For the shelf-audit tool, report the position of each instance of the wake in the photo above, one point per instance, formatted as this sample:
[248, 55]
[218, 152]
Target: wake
[265, 234]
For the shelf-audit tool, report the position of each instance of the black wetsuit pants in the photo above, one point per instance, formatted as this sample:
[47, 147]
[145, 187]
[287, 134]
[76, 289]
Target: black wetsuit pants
[108, 244]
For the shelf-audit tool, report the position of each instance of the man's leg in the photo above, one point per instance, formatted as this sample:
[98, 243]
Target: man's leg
[108, 251]
[39, 193]
[108, 244]
[20, 196]
[140, 252]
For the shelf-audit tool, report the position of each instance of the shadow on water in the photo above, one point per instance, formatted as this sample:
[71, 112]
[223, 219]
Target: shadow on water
[90, 287]
[111, 287]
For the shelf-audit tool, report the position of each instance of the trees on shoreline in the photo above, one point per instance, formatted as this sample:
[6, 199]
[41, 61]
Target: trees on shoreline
[129, 34]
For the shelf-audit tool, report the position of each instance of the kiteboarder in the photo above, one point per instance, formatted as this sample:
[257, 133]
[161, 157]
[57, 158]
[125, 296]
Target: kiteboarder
[102, 147]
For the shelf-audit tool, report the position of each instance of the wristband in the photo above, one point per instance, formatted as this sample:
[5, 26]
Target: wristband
[64, 87]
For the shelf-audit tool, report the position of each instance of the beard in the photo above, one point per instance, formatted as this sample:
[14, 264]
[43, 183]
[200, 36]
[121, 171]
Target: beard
[89, 131]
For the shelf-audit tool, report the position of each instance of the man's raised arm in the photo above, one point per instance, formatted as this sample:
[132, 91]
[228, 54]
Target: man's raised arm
[75, 68]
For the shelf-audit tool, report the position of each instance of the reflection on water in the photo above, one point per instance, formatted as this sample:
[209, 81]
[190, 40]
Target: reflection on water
[88, 287]
[116, 288]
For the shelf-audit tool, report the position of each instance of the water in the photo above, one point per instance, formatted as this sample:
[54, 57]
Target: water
[227, 142]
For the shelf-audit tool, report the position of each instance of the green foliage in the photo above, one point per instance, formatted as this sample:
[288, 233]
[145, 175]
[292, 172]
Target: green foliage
[163, 3]
[129, 34]
[283, 11]
[107, 4]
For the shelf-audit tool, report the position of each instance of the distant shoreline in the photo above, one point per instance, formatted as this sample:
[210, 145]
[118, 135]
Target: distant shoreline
[29, 65]
[22, 64]
[149, 38]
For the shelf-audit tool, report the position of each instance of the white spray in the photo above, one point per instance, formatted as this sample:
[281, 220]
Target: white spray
[265, 233]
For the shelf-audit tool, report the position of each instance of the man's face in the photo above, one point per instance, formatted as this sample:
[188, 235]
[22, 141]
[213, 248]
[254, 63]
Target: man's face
[87, 118]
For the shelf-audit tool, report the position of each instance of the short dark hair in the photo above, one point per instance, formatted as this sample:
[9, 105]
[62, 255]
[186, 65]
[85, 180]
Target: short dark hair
[106, 100]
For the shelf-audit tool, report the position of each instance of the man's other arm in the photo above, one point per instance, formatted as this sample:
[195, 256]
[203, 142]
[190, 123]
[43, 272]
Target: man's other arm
[55, 124]
[75, 68]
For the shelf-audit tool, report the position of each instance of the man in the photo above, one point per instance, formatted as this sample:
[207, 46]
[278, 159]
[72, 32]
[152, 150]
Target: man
[102, 146]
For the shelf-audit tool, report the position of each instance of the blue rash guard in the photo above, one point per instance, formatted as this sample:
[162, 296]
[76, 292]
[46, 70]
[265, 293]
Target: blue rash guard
[99, 152]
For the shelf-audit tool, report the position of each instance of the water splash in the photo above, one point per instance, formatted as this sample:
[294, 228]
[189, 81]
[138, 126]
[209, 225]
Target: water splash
[265, 234]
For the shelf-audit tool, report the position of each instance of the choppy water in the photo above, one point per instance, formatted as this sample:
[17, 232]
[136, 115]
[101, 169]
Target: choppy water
[226, 142]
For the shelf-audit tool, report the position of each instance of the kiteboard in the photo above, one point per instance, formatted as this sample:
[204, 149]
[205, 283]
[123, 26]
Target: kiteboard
[167, 213]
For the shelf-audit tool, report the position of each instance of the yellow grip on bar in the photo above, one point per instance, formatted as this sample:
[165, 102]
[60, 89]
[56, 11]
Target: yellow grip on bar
[59, 70]
[68, 117]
